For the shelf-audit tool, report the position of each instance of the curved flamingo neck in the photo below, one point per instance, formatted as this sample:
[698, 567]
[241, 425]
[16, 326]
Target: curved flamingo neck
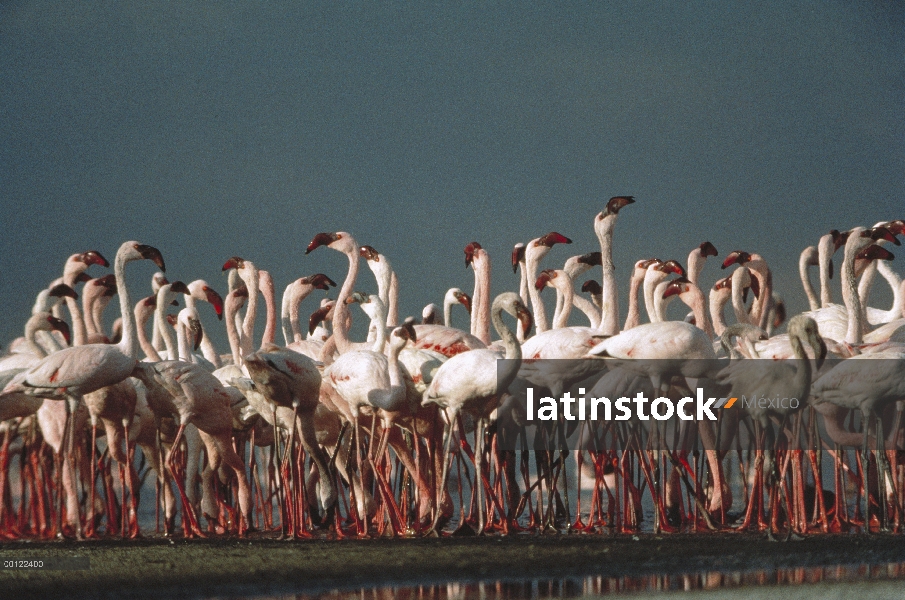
[167, 333]
[142, 313]
[651, 279]
[299, 293]
[588, 308]
[717, 301]
[824, 257]
[533, 255]
[741, 279]
[804, 262]
[79, 330]
[696, 262]
[250, 275]
[696, 303]
[510, 343]
[855, 330]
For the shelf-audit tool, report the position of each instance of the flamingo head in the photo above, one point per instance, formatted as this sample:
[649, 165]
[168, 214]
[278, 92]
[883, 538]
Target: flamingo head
[544, 278]
[518, 255]
[93, 257]
[108, 281]
[708, 249]
[470, 250]
[881, 233]
[593, 259]
[839, 238]
[200, 290]
[235, 262]
[317, 317]
[551, 239]
[177, 287]
[739, 257]
[896, 227]
[406, 331]
[677, 287]
[323, 239]
[875, 252]
[723, 284]
[359, 297]
[524, 317]
[172, 320]
[62, 290]
[150, 253]
[59, 325]
[591, 286]
[320, 281]
[615, 204]
[671, 266]
[369, 253]
[463, 299]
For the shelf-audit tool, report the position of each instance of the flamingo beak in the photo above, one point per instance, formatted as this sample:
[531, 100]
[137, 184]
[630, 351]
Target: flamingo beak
[321, 239]
[465, 300]
[233, 263]
[708, 249]
[553, 238]
[316, 318]
[369, 253]
[62, 290]
[215, 300]
[198, 331]
[321, 281]
[617, 203]
[179, 288]
[93, 257]
[470, 252]
[736, 256]
[153, 254]
[875, 252]
[593, 259]
[542, 281]
[591, 286]
[882, 233]
[518, 255]
[409, 328]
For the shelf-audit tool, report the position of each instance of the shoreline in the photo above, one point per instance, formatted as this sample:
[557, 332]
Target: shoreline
[262, 565]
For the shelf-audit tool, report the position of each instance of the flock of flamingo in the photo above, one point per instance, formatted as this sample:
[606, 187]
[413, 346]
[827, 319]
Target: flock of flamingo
[326, 435]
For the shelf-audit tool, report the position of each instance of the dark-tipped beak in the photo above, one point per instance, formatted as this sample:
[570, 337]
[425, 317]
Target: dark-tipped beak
[316, 317]
[542, 281]
[61, 326]
[736, 256]
[233, 263]
[179, 288]
[591, 286]
[882, 233]
[708, 249]
[153, 254]
[593, 259]
[617, 203]
[875, 252]
[62, 290]
[518, 255]
[321, 239]
[215, 300]
[465, 300]
[93, 257]
[321, 281]
[553, 238]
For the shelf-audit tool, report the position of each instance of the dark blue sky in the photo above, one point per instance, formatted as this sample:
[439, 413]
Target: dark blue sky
[231, 128]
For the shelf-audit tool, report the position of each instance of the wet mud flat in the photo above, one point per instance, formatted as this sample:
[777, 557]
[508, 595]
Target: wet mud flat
[261, 565]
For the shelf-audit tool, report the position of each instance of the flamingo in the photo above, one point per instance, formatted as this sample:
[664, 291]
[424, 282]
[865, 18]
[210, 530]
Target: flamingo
[604, 223]
[764, 275]
[473, 382]
[535, 250]
[73, 372]
[479, 260]
[387, 283]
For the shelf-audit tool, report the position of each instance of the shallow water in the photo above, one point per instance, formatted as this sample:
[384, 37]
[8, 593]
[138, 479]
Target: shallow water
[837, 581]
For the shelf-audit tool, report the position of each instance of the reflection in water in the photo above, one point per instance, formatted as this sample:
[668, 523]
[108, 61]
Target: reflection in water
[595, 585]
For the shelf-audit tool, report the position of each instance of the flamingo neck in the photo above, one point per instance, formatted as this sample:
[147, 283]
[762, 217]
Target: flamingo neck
[717, 300]
[510, 343]
[393, 301]
[79, 331]
[448, 301]
[609, 323]
[824, 258]
[696, 303]
[128, 345]
[738, 302]
[31, 330]
[142, 314]
[532, 258]
[167, 333]
[855, 330]
[695, 265]
[482, 310]
[270, 327]
[341, 314]
[651, 279]
[295, 302]
[288, 334]
[633, 319]
[233, 303]
[804, 262]
[251, 276]
[588, 308]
